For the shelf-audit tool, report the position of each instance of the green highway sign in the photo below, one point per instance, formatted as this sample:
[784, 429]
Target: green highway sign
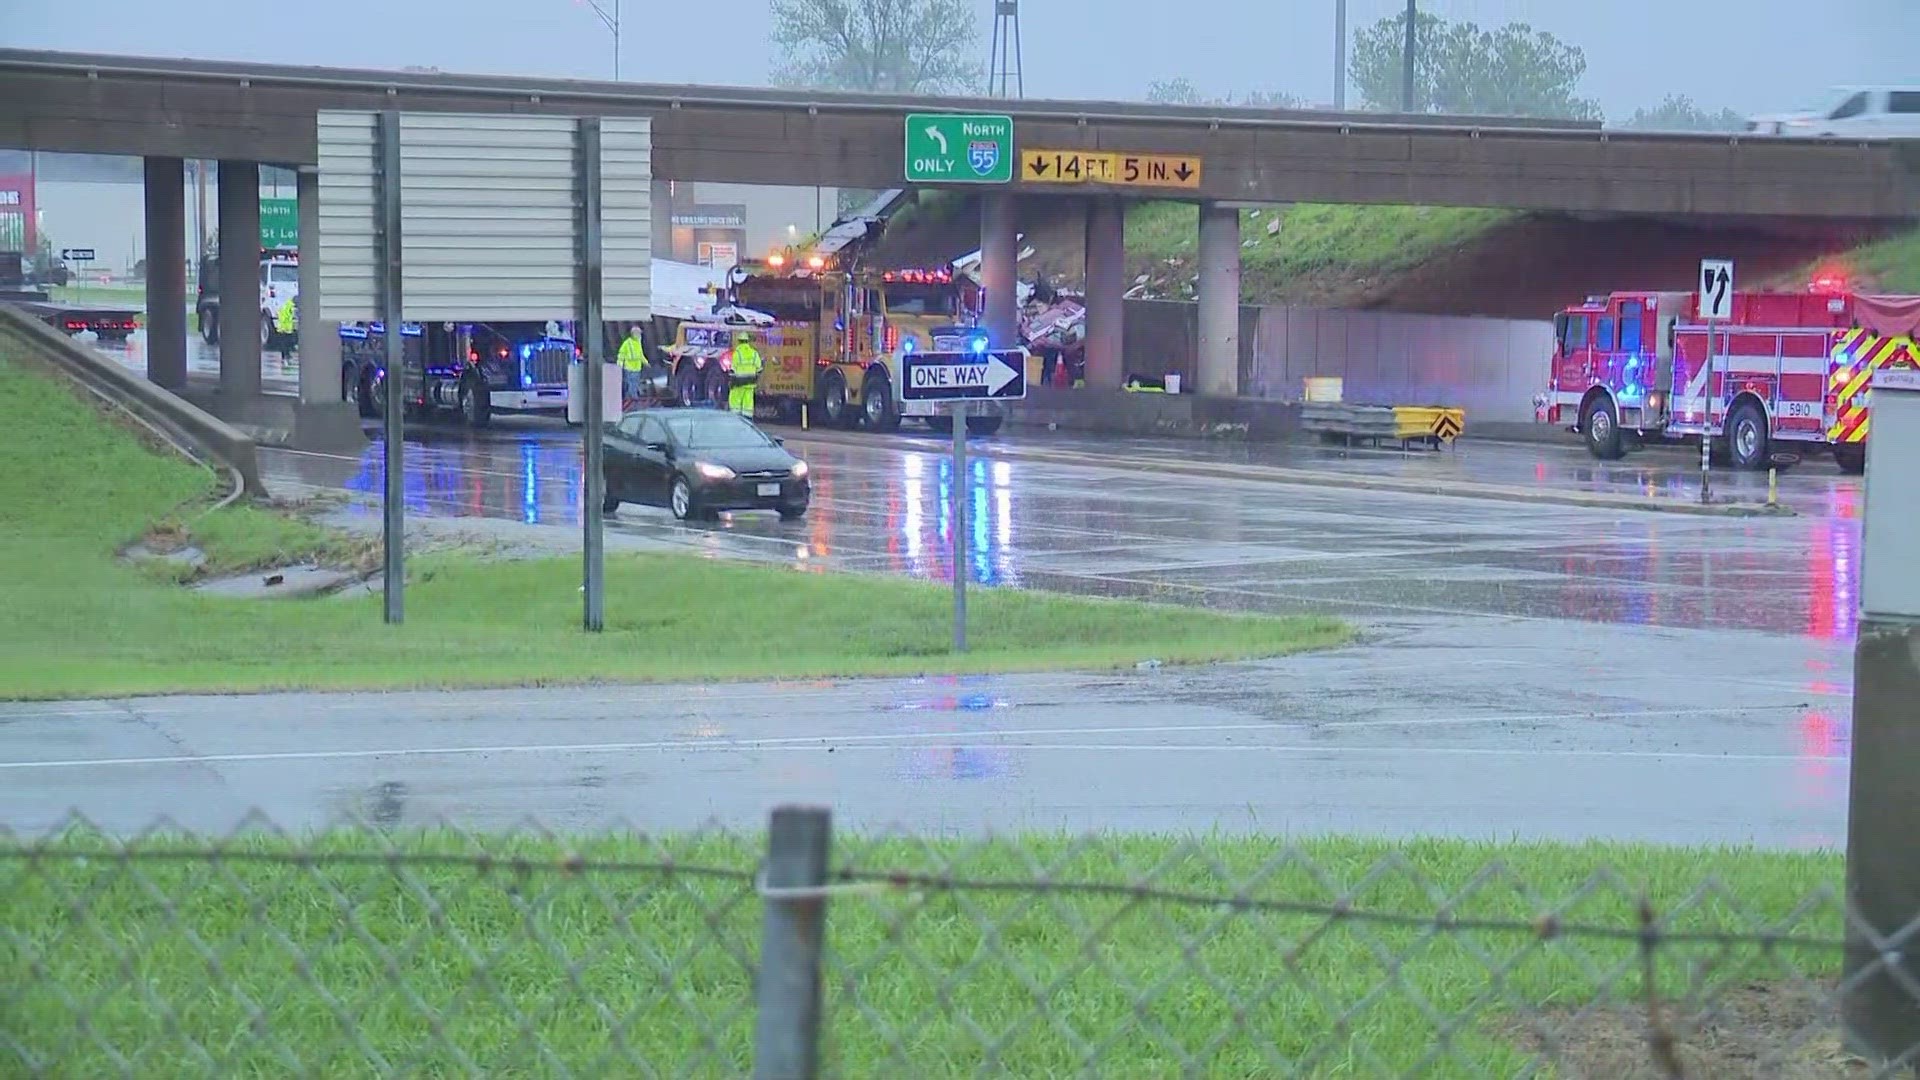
[279, 223]
[953, 148]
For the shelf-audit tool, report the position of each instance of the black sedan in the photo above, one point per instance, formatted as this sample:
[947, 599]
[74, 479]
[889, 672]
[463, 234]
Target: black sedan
[697, 462]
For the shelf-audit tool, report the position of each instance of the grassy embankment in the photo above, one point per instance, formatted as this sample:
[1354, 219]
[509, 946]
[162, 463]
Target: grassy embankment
[82, 623]
[339, 967]
[1314, 239]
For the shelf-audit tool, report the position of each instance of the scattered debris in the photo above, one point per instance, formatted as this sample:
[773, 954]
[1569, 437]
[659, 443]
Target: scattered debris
[294, 582]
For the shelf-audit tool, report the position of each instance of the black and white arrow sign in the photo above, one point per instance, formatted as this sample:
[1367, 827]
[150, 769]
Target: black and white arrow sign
[1716, 289]
[964, 376]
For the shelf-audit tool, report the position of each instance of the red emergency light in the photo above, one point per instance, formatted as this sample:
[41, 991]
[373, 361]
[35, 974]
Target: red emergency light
[1828, 282]
[776, 260]
[919, 277]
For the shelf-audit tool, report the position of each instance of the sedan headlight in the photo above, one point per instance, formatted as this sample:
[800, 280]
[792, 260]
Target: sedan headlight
[712, 471]
[799, 470]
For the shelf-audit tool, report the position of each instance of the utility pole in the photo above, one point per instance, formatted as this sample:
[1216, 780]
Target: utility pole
[1340, 54]
[1406, 58]
[611, 20]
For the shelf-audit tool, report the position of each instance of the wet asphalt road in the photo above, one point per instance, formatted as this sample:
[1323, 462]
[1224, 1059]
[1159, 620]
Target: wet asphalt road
[1530, 670]
[1111, 521]
[277, 375]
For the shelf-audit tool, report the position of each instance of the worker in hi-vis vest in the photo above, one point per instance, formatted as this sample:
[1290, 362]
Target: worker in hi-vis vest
[746, 372]
[286, 324]
[633, 360]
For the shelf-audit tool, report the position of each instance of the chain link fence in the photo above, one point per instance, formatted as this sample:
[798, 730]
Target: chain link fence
[359, 952]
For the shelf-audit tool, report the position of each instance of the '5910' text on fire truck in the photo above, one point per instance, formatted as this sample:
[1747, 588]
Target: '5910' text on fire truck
[1788, 369]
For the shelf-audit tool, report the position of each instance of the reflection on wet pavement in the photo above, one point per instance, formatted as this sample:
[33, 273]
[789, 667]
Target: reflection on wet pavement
[1117, 527]
[278, 375]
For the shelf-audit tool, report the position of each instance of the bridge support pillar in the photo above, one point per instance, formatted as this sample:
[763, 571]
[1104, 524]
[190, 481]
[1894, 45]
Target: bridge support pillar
[239, 208]
[999, 256]
[322, 420]
[1219, 367]
[1106, 292]
[166, 214]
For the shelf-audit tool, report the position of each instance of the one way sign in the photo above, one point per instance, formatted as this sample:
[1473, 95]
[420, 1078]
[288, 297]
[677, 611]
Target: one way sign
[964, 376]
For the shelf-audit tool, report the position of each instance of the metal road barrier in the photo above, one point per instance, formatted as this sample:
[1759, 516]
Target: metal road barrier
[794, 954]
[1430, 425]
[188, 428]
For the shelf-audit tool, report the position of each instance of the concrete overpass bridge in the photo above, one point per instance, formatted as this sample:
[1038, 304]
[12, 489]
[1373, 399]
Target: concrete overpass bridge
[242, 114]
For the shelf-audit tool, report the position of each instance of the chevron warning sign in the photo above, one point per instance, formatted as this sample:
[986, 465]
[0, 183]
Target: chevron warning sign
[1448, 425]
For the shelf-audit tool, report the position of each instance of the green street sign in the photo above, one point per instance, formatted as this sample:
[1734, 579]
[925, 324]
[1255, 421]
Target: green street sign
[950, 148]
[279, 223]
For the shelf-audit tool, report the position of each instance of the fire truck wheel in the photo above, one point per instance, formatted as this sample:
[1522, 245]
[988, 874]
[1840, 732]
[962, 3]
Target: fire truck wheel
[833, 400]
[1851, 457]
[476, 407]
[1747, 437]
[210, 325]
[1601, 425]
[877, 402]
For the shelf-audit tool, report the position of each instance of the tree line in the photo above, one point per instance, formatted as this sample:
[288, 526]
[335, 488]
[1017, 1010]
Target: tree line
[930, 46]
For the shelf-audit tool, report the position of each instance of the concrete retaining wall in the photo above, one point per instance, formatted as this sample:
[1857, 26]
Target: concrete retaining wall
[1490, 367]
[1120, 414]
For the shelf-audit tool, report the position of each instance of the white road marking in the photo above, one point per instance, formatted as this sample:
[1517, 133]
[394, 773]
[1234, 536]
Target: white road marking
[836, 740]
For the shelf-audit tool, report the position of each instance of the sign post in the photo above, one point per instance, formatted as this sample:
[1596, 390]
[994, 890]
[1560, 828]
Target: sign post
[593, 338]
[1716, 305]
[955, 148]
[960, 378]
[962, 504]
[389, 275]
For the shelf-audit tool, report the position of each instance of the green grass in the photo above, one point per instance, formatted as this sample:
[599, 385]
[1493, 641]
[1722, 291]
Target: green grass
[81, 623]
[1314, 238]
[133, 295]
[338, 968]
[1890, 265]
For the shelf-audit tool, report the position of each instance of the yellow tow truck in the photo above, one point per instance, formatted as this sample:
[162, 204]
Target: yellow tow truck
[832, 338]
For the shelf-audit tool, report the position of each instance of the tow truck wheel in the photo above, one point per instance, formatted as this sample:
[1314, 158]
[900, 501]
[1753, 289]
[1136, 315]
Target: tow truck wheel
[210, 326]
[476, 407]
[833, 400]
[1601, 425]
[1851, 457]
[983, 425]
[877, 398]
[368, 398]
[266, 330]
[1747, 437]
[940, 425]
[609, 504]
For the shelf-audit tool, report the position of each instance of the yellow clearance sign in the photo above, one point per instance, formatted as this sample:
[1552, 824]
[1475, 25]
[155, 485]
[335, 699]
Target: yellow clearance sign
[1108, 167]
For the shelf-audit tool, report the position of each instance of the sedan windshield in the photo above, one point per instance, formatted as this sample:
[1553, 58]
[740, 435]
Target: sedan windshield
[715, 431]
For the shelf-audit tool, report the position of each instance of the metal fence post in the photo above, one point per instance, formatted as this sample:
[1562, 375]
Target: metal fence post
[786, 1036]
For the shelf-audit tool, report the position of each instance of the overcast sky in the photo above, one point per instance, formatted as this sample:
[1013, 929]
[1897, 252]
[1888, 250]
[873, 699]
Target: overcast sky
[1750, 55]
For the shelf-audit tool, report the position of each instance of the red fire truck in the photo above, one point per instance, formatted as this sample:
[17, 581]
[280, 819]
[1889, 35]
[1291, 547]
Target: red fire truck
[1786, 369]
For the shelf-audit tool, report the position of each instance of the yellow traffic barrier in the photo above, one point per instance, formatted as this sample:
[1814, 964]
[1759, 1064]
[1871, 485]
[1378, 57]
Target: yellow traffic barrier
[1414, 423]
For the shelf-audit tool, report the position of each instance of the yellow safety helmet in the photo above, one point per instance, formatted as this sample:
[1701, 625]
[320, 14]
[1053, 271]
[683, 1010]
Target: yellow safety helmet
[743, 338]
